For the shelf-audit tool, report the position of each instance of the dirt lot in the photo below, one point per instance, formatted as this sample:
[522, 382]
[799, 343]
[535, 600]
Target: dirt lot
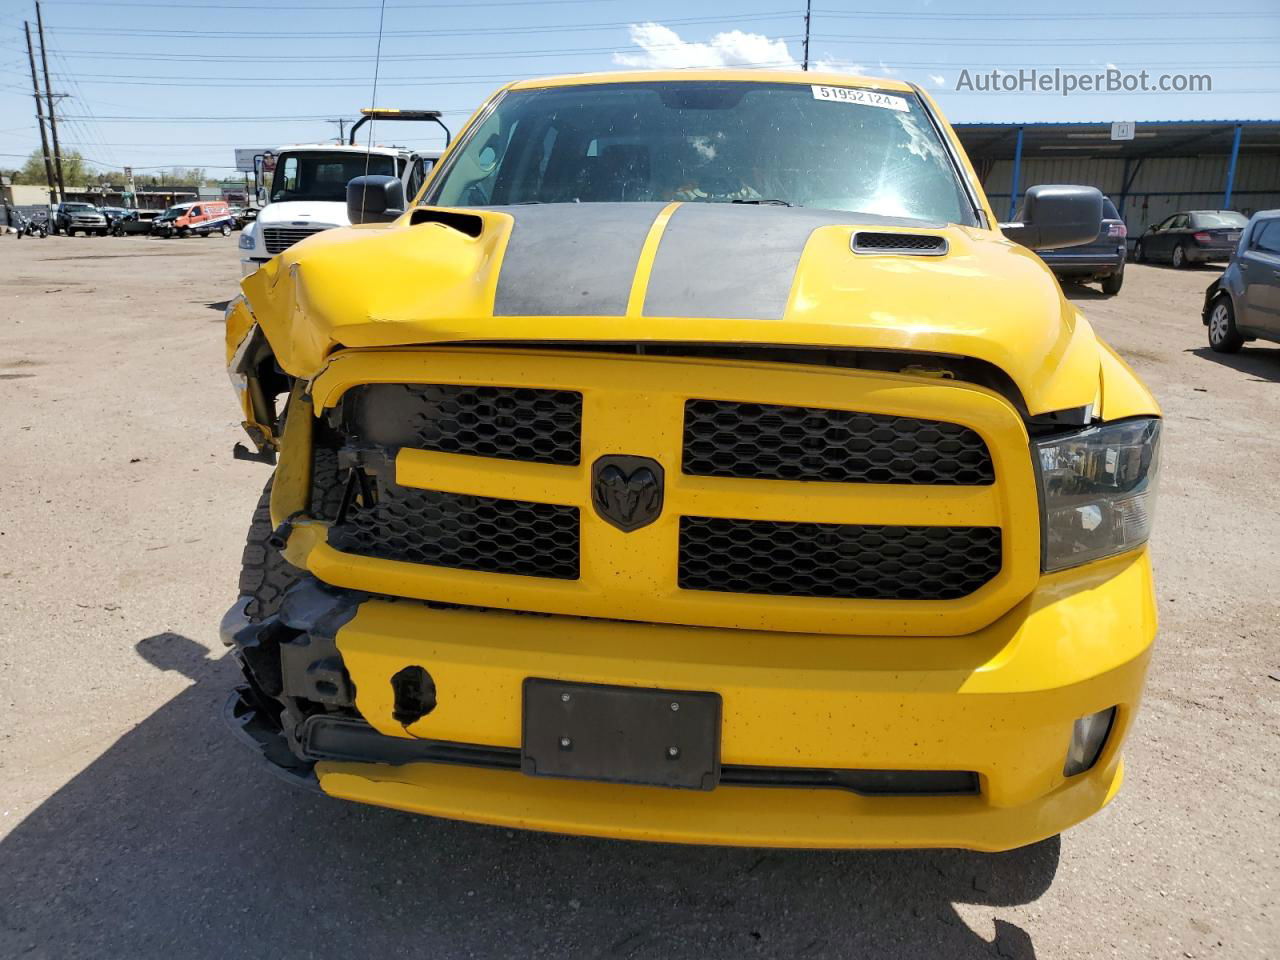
[131, 824]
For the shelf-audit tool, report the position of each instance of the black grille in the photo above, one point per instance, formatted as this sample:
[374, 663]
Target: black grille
[279, 239]
[869, 242]
[463, 532]
[509, 423]
[836, 560]
[506, 423]
[762, 441]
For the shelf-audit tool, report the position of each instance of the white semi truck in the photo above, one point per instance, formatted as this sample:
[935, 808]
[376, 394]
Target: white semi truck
[302, 188]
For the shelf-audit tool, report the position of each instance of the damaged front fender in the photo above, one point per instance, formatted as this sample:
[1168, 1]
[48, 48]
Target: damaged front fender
[256, 379]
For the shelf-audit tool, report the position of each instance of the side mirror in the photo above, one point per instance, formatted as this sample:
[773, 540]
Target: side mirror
[1057, 216]
[374, 199]
[262, 196]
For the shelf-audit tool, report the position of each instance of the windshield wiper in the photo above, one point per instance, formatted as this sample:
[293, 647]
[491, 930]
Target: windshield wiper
[771, 203]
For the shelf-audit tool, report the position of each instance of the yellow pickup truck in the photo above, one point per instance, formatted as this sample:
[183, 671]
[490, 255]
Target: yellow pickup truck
[695, 458]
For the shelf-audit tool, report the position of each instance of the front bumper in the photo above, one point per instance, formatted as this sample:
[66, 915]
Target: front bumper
[999, 702]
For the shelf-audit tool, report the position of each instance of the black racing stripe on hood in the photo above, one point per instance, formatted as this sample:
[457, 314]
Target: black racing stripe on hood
[572, 259]
[732, 260]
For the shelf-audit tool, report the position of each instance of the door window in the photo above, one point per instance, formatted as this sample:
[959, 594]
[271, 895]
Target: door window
[1267, 240]
[416, 178]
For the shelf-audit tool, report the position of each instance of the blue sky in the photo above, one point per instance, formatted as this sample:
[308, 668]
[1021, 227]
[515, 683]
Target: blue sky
[260, 74]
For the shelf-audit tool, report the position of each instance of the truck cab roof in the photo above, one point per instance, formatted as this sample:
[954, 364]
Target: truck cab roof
[377, 149]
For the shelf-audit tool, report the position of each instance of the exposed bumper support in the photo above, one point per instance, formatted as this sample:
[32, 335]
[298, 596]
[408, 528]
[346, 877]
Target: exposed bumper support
[864, 741]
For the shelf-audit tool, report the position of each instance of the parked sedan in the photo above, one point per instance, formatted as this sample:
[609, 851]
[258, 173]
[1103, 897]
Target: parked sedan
[1244, 303]
[1102, 258]
[1193, 236]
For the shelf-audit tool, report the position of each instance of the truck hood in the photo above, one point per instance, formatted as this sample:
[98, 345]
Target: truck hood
[321, 213]
[680, 272]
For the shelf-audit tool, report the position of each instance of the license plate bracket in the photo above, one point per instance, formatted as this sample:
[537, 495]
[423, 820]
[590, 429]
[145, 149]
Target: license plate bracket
[615, 734]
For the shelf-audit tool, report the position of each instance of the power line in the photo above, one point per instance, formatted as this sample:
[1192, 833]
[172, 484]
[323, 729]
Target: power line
[444, 33]
[1038, 17]
[350, 58]
[155, 166]
[1091, 41]
[441, 79]
[312, 8]
[92, 129]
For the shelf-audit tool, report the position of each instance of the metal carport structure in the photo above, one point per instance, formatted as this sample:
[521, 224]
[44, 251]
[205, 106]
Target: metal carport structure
[1168, 165]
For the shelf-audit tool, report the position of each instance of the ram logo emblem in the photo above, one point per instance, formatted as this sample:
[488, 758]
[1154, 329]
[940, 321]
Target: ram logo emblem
[627, 491]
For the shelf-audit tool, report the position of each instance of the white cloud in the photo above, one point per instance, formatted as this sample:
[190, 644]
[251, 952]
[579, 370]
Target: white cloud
[937, 79]
[836, 65]
[662, 49]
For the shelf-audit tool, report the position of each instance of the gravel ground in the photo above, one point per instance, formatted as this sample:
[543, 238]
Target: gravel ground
[131, 824]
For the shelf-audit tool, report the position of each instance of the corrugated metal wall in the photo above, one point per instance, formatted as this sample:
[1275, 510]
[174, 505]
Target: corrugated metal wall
[1163, 185]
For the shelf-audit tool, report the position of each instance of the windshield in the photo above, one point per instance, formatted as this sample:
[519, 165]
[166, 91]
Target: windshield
[836, 148]
[324, 176]
[1219, 218]
[173, 213]
[79, 206]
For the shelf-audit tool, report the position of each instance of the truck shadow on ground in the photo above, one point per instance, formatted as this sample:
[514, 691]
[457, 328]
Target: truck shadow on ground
[1076, 290]
[176, 843]
[1262, 363]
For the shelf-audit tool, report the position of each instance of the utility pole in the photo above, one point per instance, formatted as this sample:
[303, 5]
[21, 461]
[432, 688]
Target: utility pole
[342, 129]
[35, 92]
[53, 120]
[808, 11]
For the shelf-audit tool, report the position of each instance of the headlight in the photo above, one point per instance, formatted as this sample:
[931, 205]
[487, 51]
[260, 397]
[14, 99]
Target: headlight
[1097, 491]
[246, 238]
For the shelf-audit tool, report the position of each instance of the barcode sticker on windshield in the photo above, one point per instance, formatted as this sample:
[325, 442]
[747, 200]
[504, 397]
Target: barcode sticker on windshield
[868, 98]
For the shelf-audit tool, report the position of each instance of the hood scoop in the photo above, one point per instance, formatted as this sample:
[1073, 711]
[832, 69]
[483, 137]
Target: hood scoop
[467, 223]
[899, 244]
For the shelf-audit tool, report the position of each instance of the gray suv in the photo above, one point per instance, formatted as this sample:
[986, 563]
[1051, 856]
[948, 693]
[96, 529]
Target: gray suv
[1244, 303]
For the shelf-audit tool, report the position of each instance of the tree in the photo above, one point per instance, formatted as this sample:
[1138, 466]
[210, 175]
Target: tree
[75, 172]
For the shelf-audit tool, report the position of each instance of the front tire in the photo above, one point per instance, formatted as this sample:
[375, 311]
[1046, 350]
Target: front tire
[1111, 285]
[1179, 260]
[265, 575]
[1223, 335]
[1139, 255]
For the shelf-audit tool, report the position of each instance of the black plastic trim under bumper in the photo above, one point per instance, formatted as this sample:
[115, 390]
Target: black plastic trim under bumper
[354, 741]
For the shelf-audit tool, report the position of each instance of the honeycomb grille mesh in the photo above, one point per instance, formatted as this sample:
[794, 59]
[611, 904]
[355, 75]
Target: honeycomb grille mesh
[463, 532]
[764, 441]
[906, 242]
[836, 560]
[507, 423]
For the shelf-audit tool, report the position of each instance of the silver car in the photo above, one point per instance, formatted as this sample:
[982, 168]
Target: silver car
[1244, 303]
